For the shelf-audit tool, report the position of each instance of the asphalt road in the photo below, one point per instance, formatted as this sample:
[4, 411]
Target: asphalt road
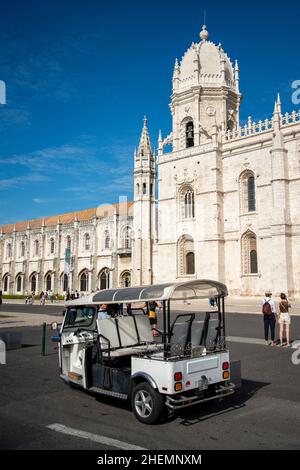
[264, 415]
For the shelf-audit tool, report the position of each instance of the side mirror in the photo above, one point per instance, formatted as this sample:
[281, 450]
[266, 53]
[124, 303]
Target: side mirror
[54, 326]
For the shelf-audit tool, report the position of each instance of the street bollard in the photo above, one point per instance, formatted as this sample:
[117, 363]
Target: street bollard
[43, 344]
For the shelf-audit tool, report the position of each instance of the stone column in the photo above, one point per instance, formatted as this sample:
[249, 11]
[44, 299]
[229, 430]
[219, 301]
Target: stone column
[280, 218]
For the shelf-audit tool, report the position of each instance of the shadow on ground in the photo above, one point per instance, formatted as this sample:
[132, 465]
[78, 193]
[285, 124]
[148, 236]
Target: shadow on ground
[197, 414]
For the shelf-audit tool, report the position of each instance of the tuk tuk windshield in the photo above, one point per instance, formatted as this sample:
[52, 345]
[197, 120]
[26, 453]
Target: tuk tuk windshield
[80, 317]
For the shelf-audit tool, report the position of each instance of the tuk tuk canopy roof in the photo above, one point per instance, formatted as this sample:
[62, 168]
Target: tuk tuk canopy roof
[195, 289]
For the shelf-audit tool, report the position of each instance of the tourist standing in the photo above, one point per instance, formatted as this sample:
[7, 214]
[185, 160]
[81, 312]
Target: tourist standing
[269, 316]
[284, 319]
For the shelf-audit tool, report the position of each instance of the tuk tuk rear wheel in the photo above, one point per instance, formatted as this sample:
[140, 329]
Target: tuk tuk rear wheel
[147, 403]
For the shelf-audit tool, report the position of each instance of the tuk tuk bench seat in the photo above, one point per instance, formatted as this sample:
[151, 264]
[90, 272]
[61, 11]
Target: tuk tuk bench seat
[126, 335]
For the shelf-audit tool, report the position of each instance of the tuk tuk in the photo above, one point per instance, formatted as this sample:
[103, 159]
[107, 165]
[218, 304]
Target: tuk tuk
[187, 364]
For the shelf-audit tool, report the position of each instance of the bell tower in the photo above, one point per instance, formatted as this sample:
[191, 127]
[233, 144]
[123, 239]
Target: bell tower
[205, 94]
[144, 210]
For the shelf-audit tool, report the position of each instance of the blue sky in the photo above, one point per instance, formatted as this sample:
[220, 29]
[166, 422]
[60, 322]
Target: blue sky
[80, 75]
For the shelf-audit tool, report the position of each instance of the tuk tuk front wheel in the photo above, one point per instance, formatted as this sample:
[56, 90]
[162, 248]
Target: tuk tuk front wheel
[147, 403]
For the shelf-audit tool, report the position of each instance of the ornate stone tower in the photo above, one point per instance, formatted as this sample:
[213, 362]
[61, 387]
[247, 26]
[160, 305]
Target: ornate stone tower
[144, 210]
[205, 93]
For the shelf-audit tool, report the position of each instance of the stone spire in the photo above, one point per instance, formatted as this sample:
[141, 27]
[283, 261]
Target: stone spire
[145, 145]
[237, 77]
[278, 103]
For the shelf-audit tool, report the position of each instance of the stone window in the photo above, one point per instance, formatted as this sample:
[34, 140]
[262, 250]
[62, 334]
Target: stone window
[144, 189]
[106, 240]
[9, 250]
[187, 202]
[190, 263]
[127, 238]
[36, 249]
[68, 242]
[87, 242]
[52, 246]
[249, 253]
[247, 192]
[22, 249]
[186, 256]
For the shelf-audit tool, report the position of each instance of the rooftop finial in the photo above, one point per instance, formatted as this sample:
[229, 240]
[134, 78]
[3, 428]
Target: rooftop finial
[204, 35]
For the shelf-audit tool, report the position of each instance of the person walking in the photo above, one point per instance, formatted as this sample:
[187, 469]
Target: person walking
[269, 315]
[284, 319]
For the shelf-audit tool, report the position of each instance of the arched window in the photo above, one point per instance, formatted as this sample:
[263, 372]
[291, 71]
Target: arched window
[33, 283]
[5, 283]
[87, 242]
[251, 194]
[64, 282]
[52, 246]
[186, 256]
[187, 202]
[104, 279]
[48, 282]
[22, 249]
[189, 133]
[137, 189]
[144, 189]
[36, 248]
[249, 254]
[68, 242]
[84, 282]
[9, 250]
[106, 240]
[19, 283]
[127, 238]
[189, 205]
[190, 263]
[125, 279]
[247, 192]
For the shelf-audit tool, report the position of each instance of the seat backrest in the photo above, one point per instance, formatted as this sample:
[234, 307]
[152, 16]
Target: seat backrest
[180, 334]
[196, 332]
[108, 329]
[212, 333]
[127, 331]
[144, 328]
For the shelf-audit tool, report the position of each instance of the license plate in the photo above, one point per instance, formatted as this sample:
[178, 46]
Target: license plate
[203, 384]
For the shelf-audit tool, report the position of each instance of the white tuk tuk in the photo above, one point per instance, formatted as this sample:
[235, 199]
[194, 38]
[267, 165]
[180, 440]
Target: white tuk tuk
[119, 357]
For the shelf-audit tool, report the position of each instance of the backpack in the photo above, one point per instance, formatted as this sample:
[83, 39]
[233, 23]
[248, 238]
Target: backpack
[267, 310]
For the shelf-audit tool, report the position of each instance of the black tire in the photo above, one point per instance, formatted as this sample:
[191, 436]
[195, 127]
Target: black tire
[150, 409]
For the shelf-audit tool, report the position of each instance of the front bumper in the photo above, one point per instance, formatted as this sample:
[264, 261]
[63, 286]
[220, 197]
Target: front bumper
[177, 402]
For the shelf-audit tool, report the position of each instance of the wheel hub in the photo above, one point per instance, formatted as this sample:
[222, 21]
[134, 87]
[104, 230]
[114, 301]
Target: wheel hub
[143, 403]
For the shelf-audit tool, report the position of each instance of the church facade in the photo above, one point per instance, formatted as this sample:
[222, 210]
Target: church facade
[218, 201]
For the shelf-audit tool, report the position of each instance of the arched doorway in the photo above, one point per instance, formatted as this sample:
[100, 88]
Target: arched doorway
[5, 283]
[33, 282]
[64, 282]
[84, 281]
[48, 282]
[19, 283]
